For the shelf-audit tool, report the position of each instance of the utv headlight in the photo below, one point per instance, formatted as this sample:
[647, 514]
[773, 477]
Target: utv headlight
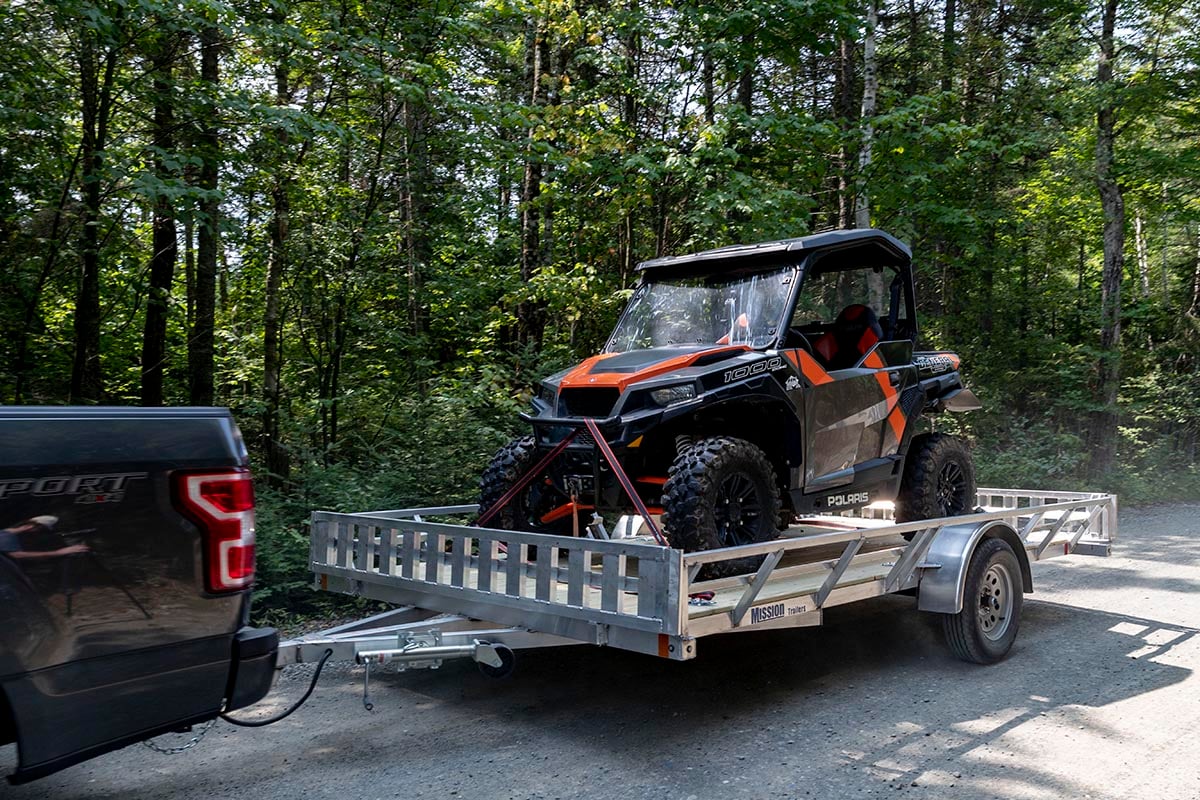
[670, 395]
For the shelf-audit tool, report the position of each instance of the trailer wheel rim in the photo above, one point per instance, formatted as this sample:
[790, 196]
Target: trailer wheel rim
[737, 511]
[995, 602]
[951, 489]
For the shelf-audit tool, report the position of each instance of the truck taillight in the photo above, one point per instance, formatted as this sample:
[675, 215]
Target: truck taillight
[222, 506]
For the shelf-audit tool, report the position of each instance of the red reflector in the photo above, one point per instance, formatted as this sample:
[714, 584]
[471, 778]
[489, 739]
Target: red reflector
[241, 562]
[229, 496]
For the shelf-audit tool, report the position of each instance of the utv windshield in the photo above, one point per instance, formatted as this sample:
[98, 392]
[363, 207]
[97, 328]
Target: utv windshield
[712, 309]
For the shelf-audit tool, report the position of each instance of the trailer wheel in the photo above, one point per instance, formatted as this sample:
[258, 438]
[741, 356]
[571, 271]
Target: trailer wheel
[525, 511]
[508, 664]
[721, 492]
[984, 631]
[939, 479]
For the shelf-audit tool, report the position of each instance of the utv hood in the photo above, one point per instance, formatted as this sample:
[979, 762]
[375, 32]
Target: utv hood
[620, 370]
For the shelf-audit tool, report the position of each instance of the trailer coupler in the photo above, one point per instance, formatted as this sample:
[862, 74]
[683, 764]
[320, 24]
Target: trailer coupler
[419, 653]
[424, 650]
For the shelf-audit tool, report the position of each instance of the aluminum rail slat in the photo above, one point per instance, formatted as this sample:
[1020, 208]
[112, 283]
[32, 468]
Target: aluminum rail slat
[756, 585]
[839, 569]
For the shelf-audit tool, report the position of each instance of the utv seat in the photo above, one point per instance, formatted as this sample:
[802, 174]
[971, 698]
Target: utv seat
[855, 331]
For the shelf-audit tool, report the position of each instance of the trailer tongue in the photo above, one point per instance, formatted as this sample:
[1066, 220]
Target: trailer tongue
[481, 594]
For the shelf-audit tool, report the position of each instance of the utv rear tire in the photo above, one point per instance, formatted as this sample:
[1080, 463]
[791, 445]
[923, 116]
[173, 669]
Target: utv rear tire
[523, 512]
[721, 492]
[939, 479]
[984, 631]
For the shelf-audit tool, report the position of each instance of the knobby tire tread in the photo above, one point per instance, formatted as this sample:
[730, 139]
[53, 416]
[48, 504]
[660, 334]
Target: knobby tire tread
[918, 489]
[507, 467]
[689, 491]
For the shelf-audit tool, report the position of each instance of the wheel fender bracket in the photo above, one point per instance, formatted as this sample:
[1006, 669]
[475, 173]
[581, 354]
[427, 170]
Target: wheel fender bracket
[941, 590]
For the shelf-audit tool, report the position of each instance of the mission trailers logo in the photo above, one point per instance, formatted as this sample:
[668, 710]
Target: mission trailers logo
[87, 489]
[770, 611]
[757, 368]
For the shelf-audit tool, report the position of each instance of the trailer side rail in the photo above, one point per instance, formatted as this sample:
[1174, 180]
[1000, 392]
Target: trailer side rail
[605, 592]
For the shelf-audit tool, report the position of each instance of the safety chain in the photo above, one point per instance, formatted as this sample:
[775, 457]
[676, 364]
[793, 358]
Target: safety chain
[195, 740]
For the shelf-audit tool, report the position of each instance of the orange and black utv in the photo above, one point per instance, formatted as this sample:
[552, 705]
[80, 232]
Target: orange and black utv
[743, 386]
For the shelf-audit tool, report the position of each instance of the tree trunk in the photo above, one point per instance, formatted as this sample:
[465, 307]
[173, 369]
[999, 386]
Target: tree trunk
[1108, 367]
[631, 43]
[844, 104]
[949, 48]
[163, 244]
[862, 201]
[529, 315]
[709, 90]
[414, 123]
[278, 467]
[200, 343]
[96, 92]
[1194, 308]
[745, 87]
[189, 264]
[1143, 256]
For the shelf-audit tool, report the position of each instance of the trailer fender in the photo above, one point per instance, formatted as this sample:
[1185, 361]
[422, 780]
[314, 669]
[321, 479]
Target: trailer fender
[941, 589]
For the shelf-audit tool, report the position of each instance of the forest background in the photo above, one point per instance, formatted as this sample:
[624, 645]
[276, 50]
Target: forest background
[370, 226]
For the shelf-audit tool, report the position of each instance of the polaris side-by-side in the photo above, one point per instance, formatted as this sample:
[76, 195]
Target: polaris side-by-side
[741, 386]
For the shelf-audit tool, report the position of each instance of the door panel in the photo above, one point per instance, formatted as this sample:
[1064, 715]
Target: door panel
[852, 416]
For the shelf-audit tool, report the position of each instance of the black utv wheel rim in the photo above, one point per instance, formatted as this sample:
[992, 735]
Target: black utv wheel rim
[738, 509]
[951, 489]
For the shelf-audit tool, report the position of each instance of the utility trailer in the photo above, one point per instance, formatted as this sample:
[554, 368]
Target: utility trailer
[474, 592]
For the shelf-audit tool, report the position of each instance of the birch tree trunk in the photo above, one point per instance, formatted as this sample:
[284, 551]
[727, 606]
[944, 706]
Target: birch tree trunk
[278, 467]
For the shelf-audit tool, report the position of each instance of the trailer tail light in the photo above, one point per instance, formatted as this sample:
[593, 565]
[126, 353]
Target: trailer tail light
[222, 506]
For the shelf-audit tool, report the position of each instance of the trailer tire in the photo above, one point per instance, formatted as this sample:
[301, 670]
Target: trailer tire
[507, 666]
[721, 492]
[984, 630]
[938, 481]
[507, 467]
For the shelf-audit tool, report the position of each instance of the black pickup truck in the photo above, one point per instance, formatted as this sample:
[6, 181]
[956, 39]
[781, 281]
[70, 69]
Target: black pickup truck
[126, 559]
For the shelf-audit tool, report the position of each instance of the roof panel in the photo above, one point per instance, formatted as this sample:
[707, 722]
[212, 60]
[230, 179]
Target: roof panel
[869, 243]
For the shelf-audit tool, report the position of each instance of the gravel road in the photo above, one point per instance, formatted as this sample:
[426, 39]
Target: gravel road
[1099, 699]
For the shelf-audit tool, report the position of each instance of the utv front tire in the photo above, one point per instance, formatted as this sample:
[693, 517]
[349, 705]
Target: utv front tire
[939, 479]
[721, 492]
[524, 511]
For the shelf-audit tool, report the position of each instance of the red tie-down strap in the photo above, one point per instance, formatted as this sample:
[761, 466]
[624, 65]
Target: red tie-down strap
[623, 479]
[525, 480]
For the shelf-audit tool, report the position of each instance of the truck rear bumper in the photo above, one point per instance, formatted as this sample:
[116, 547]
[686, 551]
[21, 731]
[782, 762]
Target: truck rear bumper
[253, 671]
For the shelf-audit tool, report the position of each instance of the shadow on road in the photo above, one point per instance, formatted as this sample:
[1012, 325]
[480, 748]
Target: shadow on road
[873, 695]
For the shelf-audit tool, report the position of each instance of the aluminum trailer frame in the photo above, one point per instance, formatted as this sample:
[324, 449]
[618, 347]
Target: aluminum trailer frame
[538, 590]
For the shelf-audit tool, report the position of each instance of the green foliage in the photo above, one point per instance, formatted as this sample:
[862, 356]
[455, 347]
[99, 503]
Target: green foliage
[448, 227]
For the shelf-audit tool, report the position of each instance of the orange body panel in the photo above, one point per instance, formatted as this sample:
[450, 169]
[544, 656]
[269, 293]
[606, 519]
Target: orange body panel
[582, 376]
